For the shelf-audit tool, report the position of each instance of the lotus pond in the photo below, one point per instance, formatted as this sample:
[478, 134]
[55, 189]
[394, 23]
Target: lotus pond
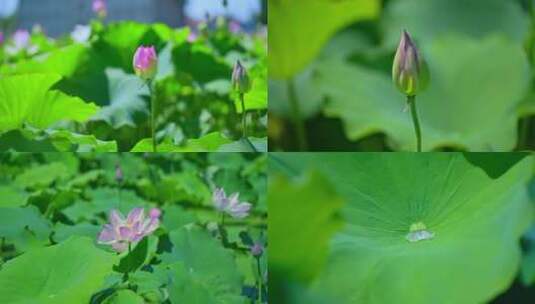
[133, 228]
[80, 92]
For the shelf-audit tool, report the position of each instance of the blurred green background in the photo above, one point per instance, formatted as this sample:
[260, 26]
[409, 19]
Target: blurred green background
[336, 56]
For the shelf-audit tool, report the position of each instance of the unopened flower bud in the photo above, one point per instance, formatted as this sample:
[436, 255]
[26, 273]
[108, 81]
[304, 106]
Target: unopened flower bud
[257, 249]
[119, 176]
[240, 79]
[409, 72]
[146, 62]
[99, 8]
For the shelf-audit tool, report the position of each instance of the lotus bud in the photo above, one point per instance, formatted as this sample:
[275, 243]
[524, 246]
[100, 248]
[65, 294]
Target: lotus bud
[1, 38]
[409, 72]
[240, 79]
[145, 62]
[257, 249]
[99, 8]
[119, 176]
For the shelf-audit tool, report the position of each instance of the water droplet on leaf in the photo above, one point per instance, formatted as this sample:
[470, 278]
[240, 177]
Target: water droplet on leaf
[418, 232]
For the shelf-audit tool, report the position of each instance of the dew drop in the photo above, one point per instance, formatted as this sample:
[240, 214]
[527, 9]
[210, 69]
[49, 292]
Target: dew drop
[418, 232]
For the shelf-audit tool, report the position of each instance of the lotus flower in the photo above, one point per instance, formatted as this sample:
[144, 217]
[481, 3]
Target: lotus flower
[81, 33]
[240, 79]
[145, 62]
[99, 8]
[21, 41]
[1, 37]
[409, 71]
[231, 204]
[121, 232]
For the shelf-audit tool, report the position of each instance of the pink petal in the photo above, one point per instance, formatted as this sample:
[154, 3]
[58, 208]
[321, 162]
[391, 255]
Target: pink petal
[136, 215]
[116, 218]
[107, 235]
[240, 210]
[125, 233]
[150, 226]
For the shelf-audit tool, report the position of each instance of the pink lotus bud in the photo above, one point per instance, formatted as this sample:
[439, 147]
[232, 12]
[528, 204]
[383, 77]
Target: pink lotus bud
[409, 71]
[1, 37]
[119, 176]
[99, 8]
[145, 62]
[155, 213]
[240, 79]
[257, 249]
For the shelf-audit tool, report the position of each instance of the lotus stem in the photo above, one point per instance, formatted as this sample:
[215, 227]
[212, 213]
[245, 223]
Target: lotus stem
[152, 117]
[411, 100]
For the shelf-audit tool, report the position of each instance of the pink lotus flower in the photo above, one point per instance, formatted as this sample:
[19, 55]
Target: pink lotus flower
[145, 62]
[121, 232]
[1, 37]
[21, 39]
[99, 8]
[231, 204]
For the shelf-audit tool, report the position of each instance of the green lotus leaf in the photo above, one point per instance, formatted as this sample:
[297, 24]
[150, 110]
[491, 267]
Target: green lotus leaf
[24, 227]
[126, 107]
[298, 29]
[12, 195]
[418, 221]
[206, 272]
[453, 111]
[207, 143]
[428, 19]
[259, 144]
[28, 99]
[66, 273]
[200, 62]
[302, 256]
[125, 296]
[50, 140]
[41, 176]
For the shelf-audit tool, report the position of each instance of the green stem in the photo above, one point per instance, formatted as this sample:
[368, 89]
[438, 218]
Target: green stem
[411, 100]
[296, 116]
[152, 116]
[524, 132]
[260, 279]
[244, 116]
[222, 219]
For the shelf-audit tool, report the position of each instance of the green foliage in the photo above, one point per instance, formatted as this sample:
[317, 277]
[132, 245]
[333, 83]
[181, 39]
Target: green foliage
[298, 29]
[302, 256]
[85, 96]
[64, 273]
[480, 91]
[475, 206]
[57, 204]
